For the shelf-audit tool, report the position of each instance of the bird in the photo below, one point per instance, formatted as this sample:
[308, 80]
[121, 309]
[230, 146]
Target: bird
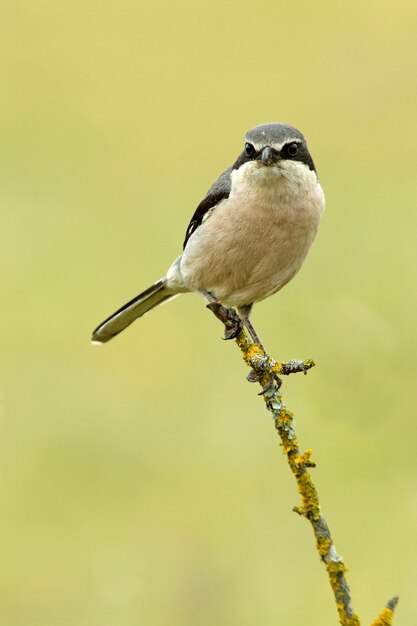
[249, 235]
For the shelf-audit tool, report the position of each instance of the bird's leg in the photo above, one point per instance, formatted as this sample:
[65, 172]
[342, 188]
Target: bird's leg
[253, 376]
[229, 317]
[244, 313]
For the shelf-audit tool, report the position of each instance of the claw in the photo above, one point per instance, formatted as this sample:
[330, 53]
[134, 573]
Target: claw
[229, 317]
[252, 377]
[232, 331]
[273, 380]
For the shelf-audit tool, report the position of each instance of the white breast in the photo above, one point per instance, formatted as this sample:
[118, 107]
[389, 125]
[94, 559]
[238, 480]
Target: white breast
[256, 240]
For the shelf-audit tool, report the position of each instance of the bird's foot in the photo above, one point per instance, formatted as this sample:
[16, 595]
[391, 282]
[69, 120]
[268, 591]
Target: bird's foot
[252, 377]
[264, 371]
[274, 382]
[268, 381]
[231, 320]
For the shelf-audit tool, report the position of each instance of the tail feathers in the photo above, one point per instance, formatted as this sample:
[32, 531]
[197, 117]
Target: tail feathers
[128, 313]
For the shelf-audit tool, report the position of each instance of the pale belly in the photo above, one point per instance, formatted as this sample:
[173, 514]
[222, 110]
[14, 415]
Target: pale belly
[243, 254]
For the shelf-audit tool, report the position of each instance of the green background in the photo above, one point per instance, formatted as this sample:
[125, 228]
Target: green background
[141, 482]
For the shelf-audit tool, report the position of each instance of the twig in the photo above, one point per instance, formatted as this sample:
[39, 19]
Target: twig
[267, 371]
[387, 613]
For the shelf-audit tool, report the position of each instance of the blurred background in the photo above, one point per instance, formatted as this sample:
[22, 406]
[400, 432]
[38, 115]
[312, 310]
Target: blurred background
[142, 482]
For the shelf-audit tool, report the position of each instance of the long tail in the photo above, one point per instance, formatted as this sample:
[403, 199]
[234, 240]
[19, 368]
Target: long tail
[128, 313]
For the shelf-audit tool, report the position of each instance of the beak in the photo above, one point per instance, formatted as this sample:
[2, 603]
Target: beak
[269, 156]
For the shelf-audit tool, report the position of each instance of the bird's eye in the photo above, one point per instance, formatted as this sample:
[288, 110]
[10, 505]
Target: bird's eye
[249, 149]
[291, 149]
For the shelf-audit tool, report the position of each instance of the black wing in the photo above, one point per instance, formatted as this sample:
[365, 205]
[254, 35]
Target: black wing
[217, 192]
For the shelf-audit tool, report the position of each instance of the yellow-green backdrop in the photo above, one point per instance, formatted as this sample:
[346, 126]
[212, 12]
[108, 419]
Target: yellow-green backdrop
[141, 482]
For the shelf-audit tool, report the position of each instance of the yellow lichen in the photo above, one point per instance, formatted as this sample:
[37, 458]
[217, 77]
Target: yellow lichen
[334, 569]
[277, 368]
[309, 495]
[384, 618]
[255, 356]
[285, 416]
[345, 620]
[308, 364]
[253, 351]
[323, 545]
[304, 460]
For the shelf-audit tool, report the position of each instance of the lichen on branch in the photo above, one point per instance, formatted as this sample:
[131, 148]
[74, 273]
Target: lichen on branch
[267, 373]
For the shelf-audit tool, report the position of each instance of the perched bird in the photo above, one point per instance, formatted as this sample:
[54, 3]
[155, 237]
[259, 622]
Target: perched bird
[248, 236]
